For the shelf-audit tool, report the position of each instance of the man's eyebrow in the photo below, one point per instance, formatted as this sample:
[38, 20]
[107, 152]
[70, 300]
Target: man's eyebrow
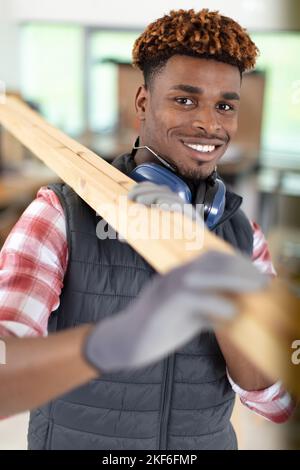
[188, 88]
[227, 95]
[230, 95]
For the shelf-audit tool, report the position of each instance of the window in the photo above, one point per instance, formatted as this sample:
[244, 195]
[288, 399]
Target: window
[52, 71]
[106, 47]
[279, 58]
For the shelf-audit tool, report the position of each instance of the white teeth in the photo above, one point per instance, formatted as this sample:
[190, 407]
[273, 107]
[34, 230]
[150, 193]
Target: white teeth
[201, 148]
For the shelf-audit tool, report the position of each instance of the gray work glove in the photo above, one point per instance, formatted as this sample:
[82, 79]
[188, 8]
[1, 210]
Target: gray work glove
[155, 194]
[171, 310]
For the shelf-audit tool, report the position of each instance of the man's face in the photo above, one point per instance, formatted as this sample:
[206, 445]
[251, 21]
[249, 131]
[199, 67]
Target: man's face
[189, 113]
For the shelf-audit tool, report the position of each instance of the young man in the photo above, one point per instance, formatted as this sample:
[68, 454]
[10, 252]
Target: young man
[60, 275]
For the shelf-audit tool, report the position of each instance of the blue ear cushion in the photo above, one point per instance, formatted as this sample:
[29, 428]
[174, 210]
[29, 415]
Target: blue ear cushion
[215, 203]
[214, 200]
[159, 175]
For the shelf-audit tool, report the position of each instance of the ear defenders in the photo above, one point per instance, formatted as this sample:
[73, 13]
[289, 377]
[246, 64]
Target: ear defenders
[214, 199]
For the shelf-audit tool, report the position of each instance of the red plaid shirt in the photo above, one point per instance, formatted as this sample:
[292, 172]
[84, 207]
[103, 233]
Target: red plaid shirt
[33, 263]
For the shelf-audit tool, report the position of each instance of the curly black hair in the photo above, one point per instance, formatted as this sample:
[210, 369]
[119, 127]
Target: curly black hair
[204, 34]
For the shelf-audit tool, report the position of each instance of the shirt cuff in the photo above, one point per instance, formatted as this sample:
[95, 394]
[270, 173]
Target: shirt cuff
[274, 403]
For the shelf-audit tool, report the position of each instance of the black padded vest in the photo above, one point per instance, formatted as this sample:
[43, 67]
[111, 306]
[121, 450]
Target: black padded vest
[182, 402]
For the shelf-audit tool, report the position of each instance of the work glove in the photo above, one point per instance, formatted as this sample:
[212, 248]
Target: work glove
[171, 310]
[155, 194]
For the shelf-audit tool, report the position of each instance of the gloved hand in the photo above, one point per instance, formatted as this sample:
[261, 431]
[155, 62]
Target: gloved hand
[171, 310]
[150, 193]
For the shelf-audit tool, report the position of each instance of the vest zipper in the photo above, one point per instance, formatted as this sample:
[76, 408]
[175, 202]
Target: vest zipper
[166, 402]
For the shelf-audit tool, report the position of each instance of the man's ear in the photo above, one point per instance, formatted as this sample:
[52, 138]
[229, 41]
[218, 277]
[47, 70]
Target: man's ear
[141, 101]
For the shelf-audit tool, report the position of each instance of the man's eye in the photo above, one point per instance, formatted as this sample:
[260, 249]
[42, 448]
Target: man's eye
[225, 107]
[184, 101]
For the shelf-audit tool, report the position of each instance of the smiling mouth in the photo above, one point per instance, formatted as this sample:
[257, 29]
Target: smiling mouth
[200, 151]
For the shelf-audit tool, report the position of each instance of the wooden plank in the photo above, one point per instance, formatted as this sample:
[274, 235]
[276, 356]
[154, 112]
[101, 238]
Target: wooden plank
[268, 320]
[33, 119]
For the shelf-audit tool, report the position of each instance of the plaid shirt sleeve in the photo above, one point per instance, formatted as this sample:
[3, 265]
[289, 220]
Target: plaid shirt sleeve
[261, 257]
[273, 403]
[33, 262]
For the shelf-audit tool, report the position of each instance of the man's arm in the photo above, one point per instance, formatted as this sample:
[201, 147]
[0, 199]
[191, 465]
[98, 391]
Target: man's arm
[38, 369]
[241, 370]
[33, 261]
[255, 390]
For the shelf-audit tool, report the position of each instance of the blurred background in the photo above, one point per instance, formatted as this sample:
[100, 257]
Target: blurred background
[70, 60]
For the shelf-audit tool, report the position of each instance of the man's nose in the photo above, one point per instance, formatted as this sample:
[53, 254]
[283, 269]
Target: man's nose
[206, 119]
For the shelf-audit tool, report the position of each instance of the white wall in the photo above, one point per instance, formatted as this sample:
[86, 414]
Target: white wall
[9, 47]
[253, 14]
